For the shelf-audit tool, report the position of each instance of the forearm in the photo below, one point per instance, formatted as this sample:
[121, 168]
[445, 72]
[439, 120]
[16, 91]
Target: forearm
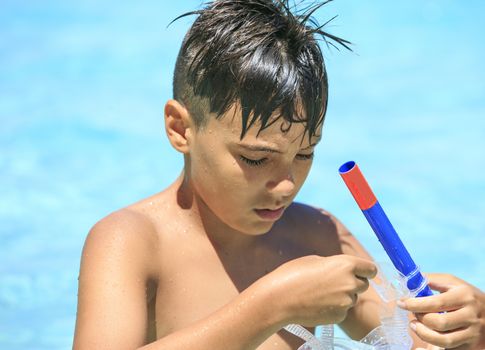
[243, 324]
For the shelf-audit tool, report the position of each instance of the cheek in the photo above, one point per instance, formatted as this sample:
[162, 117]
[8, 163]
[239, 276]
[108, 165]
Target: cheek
[304, 170]
[300, 174]
[222, 186]
[218, 179]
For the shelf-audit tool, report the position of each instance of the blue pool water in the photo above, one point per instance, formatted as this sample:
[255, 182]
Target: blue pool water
[82, 88]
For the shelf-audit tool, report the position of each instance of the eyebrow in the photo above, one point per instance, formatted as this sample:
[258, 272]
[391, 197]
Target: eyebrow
[269, 149]
[258, 148]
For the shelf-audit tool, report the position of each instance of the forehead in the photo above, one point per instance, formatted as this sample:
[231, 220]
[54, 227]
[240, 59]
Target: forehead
[228, 128]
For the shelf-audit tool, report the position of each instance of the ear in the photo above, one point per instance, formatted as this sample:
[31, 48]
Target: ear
[178, 125]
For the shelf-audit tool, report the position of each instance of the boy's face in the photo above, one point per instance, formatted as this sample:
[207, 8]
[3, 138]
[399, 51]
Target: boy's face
[248, 183]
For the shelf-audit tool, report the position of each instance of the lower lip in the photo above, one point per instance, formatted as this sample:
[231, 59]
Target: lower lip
[268, 214]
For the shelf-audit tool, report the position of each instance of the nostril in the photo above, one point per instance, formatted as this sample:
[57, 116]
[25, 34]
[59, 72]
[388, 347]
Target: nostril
[270, 185]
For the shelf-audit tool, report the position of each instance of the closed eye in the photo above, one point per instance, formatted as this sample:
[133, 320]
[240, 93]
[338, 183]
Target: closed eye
[253, 162]
[305, 156]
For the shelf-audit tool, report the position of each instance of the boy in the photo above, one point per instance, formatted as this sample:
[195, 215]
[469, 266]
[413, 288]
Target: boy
[223, 258]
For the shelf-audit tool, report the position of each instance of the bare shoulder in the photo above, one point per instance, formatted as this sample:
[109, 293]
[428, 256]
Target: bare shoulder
[308, 217]
[315, 228]
[127, 220]
[322, 230]
[125, 228]
[126, 233]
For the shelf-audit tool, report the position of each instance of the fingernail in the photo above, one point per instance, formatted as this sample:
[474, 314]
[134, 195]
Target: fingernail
[412, 325]
[401, 304]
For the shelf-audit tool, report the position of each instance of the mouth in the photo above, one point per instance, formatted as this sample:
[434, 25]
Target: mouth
[270, 214]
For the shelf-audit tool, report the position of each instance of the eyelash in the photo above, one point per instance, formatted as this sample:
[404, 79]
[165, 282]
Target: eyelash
[259, 162]
[305, 156]
[253, 162]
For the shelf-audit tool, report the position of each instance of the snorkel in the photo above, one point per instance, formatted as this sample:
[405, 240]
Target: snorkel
[385, 232]
[391, 284]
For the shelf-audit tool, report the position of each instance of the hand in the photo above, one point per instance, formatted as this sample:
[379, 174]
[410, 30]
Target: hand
[453, 319]
[317, 290]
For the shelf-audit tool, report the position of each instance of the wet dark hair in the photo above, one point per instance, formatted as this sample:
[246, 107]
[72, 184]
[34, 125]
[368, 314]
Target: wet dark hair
[262, 54]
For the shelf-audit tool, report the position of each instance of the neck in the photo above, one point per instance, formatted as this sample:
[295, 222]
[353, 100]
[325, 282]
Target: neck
[222, 236]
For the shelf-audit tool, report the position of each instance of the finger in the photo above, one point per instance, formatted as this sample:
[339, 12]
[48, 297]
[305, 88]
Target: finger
[362, 285]
[448, 301]
[445, 340]
[439, 287]
[444, 278]
[443, 281]
[364, 268]
[354, 298]
[438, 282]
[443, 322]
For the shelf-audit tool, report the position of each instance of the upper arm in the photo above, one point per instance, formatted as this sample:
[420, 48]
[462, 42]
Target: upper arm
[115, 268]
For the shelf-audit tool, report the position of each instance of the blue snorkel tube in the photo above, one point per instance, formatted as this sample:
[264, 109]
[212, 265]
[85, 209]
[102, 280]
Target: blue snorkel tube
[383, 229]
[392, 333]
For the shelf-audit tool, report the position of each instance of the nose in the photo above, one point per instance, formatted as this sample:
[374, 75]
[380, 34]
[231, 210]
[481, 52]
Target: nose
[284, 186]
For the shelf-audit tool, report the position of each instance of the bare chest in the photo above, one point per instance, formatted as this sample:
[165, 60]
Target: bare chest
[197, 280]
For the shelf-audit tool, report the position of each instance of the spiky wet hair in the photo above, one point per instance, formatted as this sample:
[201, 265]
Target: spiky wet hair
[263, 55]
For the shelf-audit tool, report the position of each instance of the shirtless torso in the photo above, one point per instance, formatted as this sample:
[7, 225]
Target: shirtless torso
[166, 267]
[192, 276]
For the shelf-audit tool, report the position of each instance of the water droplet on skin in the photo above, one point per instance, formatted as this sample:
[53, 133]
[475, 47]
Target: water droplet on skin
[151, 203]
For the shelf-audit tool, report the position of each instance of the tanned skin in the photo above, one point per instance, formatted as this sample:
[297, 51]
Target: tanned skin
[200, 266]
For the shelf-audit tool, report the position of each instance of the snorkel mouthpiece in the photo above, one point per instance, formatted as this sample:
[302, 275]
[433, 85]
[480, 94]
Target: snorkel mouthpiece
[385, 232]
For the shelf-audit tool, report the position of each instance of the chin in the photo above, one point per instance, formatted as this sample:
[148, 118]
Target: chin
[257, 229]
